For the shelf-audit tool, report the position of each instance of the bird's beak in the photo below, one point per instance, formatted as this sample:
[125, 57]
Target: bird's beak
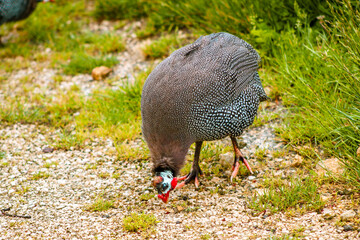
[164, 197]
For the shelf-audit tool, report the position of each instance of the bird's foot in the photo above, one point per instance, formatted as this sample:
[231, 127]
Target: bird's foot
[235, 169]
[236, 166]
[193, 175]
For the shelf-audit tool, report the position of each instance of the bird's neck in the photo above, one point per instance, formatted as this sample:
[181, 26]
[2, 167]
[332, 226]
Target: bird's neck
[166, 164]
[168, 156]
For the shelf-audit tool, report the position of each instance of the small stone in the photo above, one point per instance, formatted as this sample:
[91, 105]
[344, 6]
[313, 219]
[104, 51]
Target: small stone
[106, 216]
[358, 152]
[215, 180]
[169, 210]
[254, 185]
[47, 150]
[298, 160]
[100, 73]
[331, 164]
[344, 192]
[348, 228]
[325, 197]
[226, 159]
[178, 222]
[179, 208]
[348, 215]
[260, 192]
[328, 214]
[251, 178]
[185, 198]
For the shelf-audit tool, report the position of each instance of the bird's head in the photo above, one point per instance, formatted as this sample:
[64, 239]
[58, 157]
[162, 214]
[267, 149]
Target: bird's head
[164, 182]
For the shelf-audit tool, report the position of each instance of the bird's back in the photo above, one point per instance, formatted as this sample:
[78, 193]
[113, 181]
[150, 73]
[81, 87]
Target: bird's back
[198, 92]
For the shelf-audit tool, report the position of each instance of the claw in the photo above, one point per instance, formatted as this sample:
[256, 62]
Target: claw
[235, 171]
[196, 182]
[180, 185]
[247, 166]
[182, 178]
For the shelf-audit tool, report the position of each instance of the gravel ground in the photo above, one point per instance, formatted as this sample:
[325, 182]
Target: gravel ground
[57, 202]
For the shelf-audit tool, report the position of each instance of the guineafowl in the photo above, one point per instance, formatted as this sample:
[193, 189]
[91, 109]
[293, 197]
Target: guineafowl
[15, 10]
[205, 91]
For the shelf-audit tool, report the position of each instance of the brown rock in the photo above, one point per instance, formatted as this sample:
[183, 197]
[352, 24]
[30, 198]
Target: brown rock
[100, 73]
[358, 152]
[215, 180]
[227, 159]
[328, 214]
[348, 215]
[179, 208]
[48, 150]
[298, 161]
[331, 164]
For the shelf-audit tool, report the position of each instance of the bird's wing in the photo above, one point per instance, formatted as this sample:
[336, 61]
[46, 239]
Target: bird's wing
[218, 62]
[239, 66]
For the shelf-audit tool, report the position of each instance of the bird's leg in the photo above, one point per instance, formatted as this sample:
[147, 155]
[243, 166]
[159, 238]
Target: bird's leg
[195, 169]
[238, 155]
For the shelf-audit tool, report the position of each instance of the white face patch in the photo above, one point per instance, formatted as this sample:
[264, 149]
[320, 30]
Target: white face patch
[168, 177]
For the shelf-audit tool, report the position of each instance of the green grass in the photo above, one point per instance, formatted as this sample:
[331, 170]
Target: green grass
[2, 155]
[99, 205]
[205, 236]
[260, 154]
[32, 108]
[162, 47]
[120, 9]
[283, 237]
[4, 164]
[102, 43]
[146, 196]
[320, 81]
[139, 222]
[21, 190]
[296, 194]
[82, 63]
[104, 175]
[49, 164]
[40, 175]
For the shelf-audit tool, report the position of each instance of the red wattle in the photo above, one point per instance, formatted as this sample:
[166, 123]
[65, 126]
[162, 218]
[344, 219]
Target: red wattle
[164, 197]
[173, 183]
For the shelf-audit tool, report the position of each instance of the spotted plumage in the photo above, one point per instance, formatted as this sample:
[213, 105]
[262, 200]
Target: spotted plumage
[15, 10]
[205, 91]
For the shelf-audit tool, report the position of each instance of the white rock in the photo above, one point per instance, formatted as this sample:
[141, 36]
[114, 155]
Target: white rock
[348, 215]
[328, 214]
[251, 178]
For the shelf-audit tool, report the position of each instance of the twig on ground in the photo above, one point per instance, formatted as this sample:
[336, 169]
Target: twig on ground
[5, 210]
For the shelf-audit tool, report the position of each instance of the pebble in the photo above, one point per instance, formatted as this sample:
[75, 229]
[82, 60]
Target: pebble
[227, 159]
[348, 228]
[48, 150]
[348, 215]
[328, 214]
[251, 178]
